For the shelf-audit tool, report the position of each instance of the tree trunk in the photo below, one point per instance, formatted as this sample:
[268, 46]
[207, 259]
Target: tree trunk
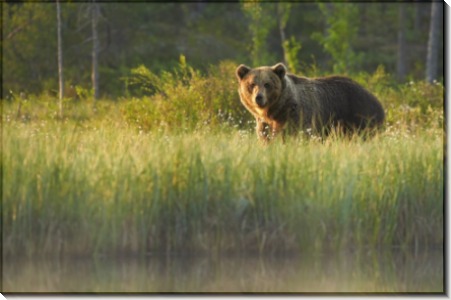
[95, 50]
[433, 43]
[60, 60]
[282, 40]
[401, 69]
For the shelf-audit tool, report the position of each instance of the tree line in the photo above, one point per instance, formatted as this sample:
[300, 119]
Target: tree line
[88, 48]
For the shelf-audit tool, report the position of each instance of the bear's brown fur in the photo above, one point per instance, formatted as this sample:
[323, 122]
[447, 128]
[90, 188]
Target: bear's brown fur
[279, 100]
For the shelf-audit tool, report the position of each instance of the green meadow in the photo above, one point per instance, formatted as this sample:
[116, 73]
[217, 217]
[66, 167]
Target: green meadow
[72, 188]
[182, 172]
[129, 164]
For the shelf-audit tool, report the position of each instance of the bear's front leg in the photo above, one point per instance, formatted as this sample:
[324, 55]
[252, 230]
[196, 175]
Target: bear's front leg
[262, 130]
[277, 129]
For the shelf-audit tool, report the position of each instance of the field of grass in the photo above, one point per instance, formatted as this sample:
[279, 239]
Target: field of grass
[104, 187]
[180, 171]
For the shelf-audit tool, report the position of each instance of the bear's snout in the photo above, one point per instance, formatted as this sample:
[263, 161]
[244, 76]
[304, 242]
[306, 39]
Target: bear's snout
[260, 100]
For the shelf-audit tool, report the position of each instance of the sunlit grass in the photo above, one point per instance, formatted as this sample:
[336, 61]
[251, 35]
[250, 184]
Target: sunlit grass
[106, 188]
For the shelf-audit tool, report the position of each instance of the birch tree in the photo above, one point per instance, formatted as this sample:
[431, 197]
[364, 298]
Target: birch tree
[95, 49]
[283, 13]
[60, 60]
[290, 46]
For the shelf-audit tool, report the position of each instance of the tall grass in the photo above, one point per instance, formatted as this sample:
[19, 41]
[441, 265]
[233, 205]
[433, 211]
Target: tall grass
[110, 189]
[175, 167]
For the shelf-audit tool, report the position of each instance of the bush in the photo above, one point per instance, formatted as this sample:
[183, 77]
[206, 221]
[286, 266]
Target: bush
[409, 105]
[185, 98]
[189, 100]
[416, 104]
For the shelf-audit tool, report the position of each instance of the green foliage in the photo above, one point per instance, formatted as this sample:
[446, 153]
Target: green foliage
[83, 93]
[412, 105]
[292, 48]
[185, 99]
[25, 49]
[261, 23]
[417, 104]
[142, 80]
[155, 34]
[342, 29]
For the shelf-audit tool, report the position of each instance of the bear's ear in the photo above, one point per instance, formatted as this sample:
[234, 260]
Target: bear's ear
[280, 70]
[241, 71]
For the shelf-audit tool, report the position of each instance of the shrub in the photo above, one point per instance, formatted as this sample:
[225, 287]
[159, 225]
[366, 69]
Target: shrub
[185, 98]
[409, 105]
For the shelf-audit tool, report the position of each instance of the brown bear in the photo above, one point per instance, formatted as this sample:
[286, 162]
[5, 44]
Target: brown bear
[280, 100]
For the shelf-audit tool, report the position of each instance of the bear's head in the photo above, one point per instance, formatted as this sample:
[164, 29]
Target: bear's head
[261, 87]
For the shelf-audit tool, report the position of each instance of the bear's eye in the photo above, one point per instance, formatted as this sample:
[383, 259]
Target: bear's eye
[267, 85]
[251, 86]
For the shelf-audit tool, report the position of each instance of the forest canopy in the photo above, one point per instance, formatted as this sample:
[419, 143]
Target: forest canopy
[311, 38]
